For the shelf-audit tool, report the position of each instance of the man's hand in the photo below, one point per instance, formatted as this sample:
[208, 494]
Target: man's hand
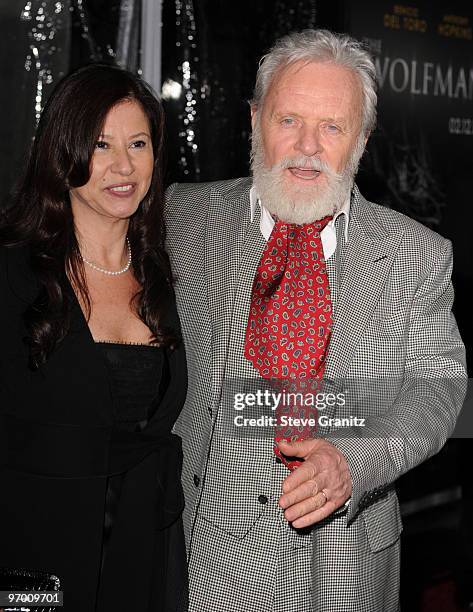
[324, 469]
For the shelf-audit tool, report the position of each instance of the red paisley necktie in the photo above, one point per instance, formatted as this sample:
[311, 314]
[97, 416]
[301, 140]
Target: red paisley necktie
[290, 320]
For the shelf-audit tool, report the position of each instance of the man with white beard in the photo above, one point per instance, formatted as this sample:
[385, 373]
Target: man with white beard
[292, 276]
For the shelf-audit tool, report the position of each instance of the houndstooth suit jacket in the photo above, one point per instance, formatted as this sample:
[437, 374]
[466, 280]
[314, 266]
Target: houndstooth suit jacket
[393, 326]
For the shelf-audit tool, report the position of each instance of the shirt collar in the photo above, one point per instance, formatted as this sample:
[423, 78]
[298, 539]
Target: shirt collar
[344, 210]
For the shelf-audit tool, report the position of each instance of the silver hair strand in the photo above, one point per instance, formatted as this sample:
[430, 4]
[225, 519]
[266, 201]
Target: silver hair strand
[321, 46]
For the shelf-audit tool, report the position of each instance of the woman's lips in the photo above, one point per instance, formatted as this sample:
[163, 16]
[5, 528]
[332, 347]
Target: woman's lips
[123, 190]
[304, 173]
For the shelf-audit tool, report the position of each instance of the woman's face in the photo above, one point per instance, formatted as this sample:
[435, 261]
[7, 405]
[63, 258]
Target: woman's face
[121, 167]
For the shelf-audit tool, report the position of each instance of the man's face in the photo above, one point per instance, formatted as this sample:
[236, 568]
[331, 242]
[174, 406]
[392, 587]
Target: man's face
[307, 138]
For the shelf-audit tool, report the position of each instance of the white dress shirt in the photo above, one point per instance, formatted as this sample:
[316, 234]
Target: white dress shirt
[328, 234]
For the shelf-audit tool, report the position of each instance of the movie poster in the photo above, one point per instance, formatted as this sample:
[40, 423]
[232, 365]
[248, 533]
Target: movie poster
[420, 159]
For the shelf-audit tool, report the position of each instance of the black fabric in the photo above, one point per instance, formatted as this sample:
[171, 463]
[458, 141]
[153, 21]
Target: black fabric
[136, 379]
[61, 442]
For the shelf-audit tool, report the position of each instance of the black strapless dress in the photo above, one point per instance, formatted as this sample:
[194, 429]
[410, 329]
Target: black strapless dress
[140, 570]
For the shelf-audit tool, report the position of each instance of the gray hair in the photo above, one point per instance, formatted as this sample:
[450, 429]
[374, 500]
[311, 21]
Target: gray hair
[321, 46]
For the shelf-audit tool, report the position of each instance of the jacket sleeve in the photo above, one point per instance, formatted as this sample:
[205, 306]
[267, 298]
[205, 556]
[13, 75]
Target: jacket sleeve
[425, 410]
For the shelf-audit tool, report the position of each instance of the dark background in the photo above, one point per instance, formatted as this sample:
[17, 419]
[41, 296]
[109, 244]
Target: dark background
[413, 163]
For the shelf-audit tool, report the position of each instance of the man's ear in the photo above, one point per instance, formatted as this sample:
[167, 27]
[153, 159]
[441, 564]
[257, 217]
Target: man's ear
[253, 110]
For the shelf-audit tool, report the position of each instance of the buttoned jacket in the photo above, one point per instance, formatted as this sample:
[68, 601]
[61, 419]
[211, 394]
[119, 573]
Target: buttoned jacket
[395, 351]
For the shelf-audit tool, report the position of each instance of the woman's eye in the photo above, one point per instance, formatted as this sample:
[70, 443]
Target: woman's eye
[138, 144]
[101, 144]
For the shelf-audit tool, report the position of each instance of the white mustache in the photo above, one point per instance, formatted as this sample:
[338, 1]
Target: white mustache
[308, 163]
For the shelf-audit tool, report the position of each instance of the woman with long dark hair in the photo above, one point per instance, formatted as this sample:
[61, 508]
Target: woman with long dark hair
[92, 367]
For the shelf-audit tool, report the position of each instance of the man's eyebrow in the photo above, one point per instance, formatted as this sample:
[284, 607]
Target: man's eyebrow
[285, 113]
[338, 120]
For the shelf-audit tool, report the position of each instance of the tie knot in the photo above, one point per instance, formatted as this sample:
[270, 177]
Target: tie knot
[315, 226]
[307, 230]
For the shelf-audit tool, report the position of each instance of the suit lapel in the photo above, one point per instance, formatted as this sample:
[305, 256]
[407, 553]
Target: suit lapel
[227, 224]
[233, 246]
[368, 259]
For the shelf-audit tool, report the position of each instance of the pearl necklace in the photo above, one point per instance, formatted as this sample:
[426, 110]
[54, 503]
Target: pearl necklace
[110, 272]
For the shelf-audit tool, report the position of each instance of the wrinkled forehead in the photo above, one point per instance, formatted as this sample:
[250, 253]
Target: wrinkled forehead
[316, 81]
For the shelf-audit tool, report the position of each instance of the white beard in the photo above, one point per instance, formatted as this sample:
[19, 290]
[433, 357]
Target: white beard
[302, 204]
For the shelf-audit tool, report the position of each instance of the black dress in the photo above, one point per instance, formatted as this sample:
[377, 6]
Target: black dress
[89, 467]
[139, 377]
